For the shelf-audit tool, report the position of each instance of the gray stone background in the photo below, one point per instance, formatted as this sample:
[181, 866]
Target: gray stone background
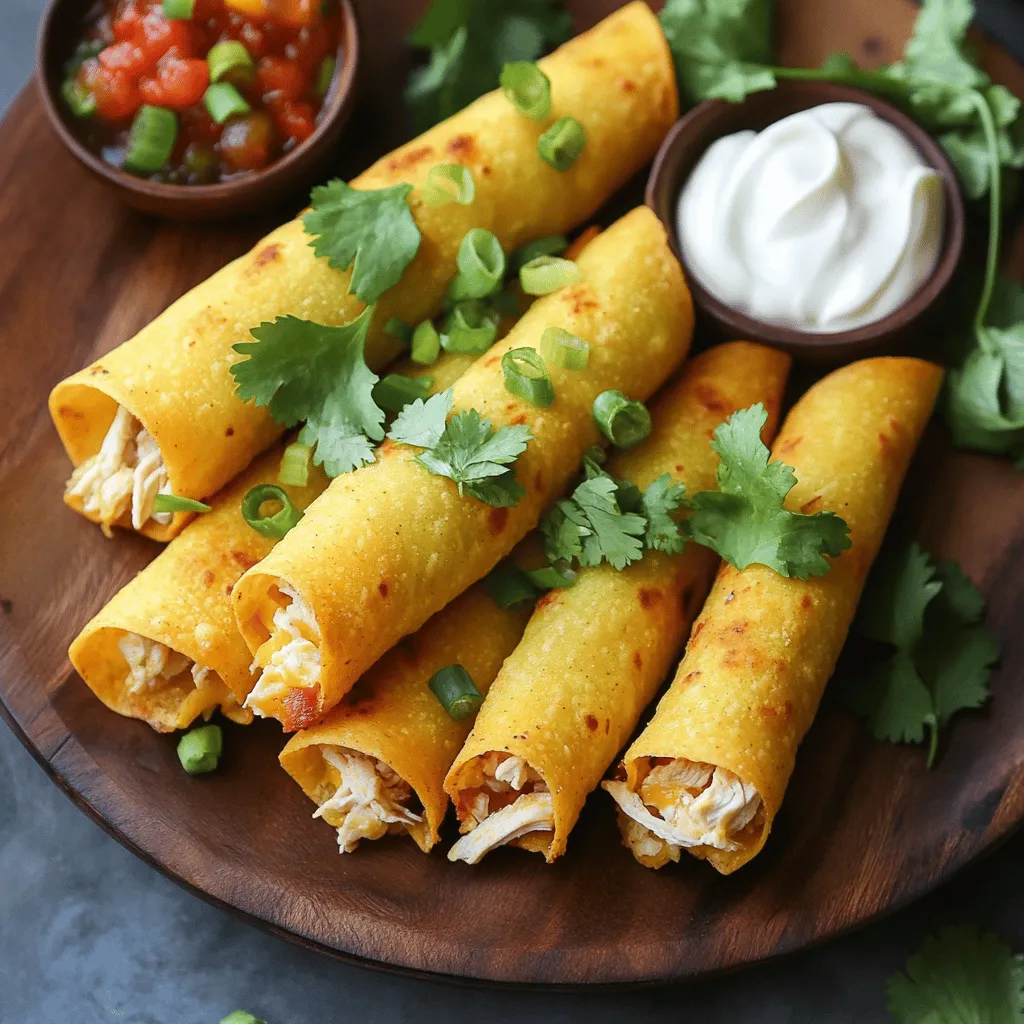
[90, 935]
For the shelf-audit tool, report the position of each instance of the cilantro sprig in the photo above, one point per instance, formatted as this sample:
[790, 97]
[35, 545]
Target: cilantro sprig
[929, 614]
[744, 521]
[470, 41]
[959, 976]
[722, 50]
[466, 448]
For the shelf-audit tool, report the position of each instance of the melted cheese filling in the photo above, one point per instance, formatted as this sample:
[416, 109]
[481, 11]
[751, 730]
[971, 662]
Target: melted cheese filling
[126, 474]
[290, 658]
[493, 819]
[684, 804]
[369, 800]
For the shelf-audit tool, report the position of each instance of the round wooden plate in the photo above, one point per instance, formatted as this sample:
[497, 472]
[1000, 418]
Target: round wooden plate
[865, 827]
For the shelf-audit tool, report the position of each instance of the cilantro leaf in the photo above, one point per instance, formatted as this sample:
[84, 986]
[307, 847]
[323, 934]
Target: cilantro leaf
[307, 371]
[660, 500]
[744, 520]
[895, 701]
[959, 977]
[720, 47]
[892, 610]
[371, 231]
[470, 41]
[421, 423]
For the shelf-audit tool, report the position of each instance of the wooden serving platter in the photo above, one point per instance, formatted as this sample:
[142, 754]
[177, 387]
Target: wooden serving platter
[865, 826]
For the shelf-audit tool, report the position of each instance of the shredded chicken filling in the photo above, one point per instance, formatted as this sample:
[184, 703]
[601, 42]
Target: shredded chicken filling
[369, 801]
[687, 803]
[493, 820]
[290, 659]
[152, 665]
[126, 474]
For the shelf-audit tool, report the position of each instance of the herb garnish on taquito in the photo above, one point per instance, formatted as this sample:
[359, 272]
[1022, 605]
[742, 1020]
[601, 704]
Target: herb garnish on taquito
[709, 772]
[594, 655]
[159, 414]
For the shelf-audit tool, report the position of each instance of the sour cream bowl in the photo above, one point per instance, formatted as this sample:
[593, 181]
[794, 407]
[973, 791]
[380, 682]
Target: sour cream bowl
[903, 327]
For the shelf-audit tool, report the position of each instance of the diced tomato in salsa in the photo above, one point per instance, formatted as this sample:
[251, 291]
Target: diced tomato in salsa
[132, 55]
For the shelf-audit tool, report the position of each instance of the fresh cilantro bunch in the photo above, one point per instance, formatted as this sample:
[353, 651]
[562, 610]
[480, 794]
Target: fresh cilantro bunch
[723, 50]
[959, 977]
[466, 448]
[744, 520]
[305, 371]
[930, 614]
[470, 41]
[611, 520]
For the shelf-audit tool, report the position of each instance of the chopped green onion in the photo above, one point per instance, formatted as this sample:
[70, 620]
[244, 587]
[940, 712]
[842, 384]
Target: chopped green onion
[546, 274]
[453, 686]
[325, 75]
[241, 1017]
[481, 262]
[596, 454]
[509, 586]
[222, 100]
[277, 524]
[550, 578]
[426, 344]
[399, 329]
[225, 57]
[294, 469]
[199, 750]
[200, 160]
[395, 391]
[526, 377]
[527, 88]
[549, 245]
[564, 350]
[172, 503]
[150, 140]
[178, 10]
[449, 183]
[469, 329]
[85, 50]
[562, 143]
[80, 101]
[624, 422]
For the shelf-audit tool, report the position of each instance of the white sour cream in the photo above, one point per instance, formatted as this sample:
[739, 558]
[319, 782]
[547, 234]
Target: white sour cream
[826, 220]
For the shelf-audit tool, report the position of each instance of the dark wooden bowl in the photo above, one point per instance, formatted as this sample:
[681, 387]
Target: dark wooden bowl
[689, 139]
[60, 30]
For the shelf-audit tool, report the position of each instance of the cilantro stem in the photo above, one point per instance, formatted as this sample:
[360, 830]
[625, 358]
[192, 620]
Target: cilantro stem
[995, 207]
[933, 739]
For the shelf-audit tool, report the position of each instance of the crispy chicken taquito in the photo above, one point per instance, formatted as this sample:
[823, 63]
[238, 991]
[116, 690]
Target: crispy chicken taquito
[594, 656]
[160, 414]
[709, 772]
[387, 546]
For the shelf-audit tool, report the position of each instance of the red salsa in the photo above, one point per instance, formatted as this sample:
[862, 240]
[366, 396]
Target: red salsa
[192, 92]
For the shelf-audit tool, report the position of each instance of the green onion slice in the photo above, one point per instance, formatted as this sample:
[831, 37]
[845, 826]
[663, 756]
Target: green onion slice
[199, 749]
[225, 57]
[564, 350]
[469, 329]
[241, 1017]
[527, 88]
[546, 274]
[596, 454]
[449, 183]
[395, 391]
[549, 245]
[509, 586]
[453, 686]
[278, 523]
[562, 143]
[80, 101]
[150, 140]
[399, 329]
[527, 377]
[222, 100]
[295, 462]
[85, 50]
[624, 422]
[325, 75]
[481, 263]
[172, 503]
[426, 344]
[552, 578]
[178, 10]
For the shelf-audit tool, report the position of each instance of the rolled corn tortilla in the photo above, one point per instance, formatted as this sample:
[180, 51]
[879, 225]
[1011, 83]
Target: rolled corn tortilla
[594, 656]
[160, 413]
[387, 546]
[376, 765]
[709, 772]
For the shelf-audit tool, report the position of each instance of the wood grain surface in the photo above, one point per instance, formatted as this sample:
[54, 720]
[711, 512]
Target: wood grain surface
[864, 828]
